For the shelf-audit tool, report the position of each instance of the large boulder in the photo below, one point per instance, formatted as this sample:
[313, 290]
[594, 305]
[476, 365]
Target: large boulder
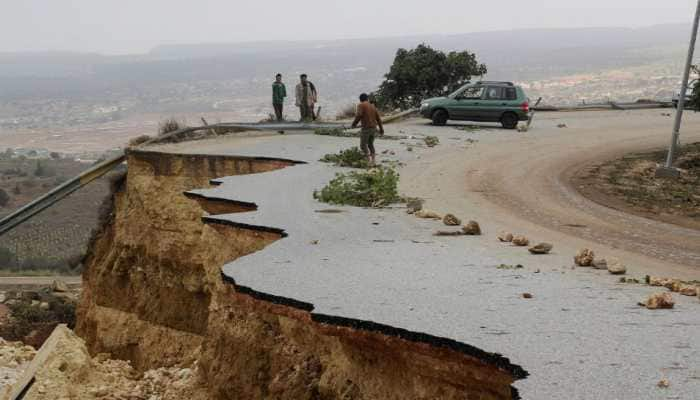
[59, 286]
[542, 248]
[584, 258]
[451, 220]
[505, 237]
[472, 228]
[659, 301]
[617, 268]
[520, 240]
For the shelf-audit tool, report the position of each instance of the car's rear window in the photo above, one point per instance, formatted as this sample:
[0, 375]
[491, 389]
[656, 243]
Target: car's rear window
[510, 93]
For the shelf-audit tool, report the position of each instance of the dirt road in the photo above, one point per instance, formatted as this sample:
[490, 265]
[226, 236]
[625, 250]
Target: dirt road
[520, 182]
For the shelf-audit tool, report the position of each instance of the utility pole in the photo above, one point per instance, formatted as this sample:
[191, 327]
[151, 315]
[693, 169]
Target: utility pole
[667, 171]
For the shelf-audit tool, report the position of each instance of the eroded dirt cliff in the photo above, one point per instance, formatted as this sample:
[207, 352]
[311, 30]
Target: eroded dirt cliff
[154, 294]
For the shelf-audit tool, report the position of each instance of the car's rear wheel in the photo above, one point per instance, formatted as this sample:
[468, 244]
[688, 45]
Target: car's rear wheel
[440, 117]
[509, 120]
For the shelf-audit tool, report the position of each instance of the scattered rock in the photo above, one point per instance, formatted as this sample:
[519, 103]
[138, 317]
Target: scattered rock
[561, 126]
[527, 295]
[542, 248]
[659, 301]
[584, 258]
[506, 266]
[451, 220]
[43, 305]
[617, 268]
[313, 242]
[428, 214]
[472, 228]
[448, 233]
[600, 263]
[59, 286]
[664, 383]
[409, 148]
[687, 290]
[414, 205]
[505, 237]
[520, 240]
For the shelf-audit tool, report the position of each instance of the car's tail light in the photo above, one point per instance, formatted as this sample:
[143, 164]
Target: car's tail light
[525, 107]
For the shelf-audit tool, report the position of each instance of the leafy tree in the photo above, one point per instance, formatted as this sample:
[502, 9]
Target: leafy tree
[422, 73]
[4, 198]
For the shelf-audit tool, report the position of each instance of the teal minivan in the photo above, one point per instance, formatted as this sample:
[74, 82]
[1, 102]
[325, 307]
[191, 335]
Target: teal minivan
[482, 101]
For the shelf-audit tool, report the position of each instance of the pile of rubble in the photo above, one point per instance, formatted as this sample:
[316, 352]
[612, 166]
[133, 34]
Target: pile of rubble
[63, 369]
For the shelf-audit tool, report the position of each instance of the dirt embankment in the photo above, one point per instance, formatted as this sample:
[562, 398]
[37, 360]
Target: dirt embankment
[153, 294]
[629, 184]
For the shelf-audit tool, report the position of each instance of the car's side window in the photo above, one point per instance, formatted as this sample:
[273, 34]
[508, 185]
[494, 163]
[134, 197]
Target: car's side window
[510, 94]
[473, 92]
[494, 93]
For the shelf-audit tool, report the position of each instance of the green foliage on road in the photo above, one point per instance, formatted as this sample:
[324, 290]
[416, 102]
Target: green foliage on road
[424, 72]
[352, 157]
[431, 141]
[377, 187]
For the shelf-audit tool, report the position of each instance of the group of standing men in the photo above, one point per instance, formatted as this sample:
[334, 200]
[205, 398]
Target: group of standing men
[306, 98]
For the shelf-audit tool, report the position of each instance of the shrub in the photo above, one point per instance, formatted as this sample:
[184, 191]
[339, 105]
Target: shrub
[431, 141]
[170, 125]
[339, 132]
[43, 170]
[54, 155]
[4, 198]
[352, 157]
[373, 188]
[7, 258]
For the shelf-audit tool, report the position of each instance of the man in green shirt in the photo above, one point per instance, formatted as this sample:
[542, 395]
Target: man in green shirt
[279, 92]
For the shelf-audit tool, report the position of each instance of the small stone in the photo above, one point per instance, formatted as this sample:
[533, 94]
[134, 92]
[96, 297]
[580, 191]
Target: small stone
[44, 305]
[313, 242]
[505, 237]
[520, 240]
[584, 258]
[600, 263]
[427, 214]
[472, 228]
[617, 268]
[664, 383]
[59, 286]
[3, 297]
[35, 303]
[542, 248]
[659, 301]
[527, 295]
[451, 220]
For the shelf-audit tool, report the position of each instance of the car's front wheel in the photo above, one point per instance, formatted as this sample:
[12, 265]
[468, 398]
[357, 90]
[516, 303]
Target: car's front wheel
[440, 117]
[509, 120]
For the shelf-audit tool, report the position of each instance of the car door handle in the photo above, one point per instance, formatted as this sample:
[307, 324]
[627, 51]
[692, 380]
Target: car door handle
[504, 104]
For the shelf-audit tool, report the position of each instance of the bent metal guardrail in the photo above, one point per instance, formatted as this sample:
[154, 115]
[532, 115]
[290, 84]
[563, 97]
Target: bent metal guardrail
[56, 194]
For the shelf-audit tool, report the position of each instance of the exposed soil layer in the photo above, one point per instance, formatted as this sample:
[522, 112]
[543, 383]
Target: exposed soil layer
[629, 184]
[154, 294]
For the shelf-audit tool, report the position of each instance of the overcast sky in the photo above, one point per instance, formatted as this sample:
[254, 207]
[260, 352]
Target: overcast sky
[135, 26]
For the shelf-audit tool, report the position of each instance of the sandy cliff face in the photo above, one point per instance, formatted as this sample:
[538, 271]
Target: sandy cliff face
[154, 294]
